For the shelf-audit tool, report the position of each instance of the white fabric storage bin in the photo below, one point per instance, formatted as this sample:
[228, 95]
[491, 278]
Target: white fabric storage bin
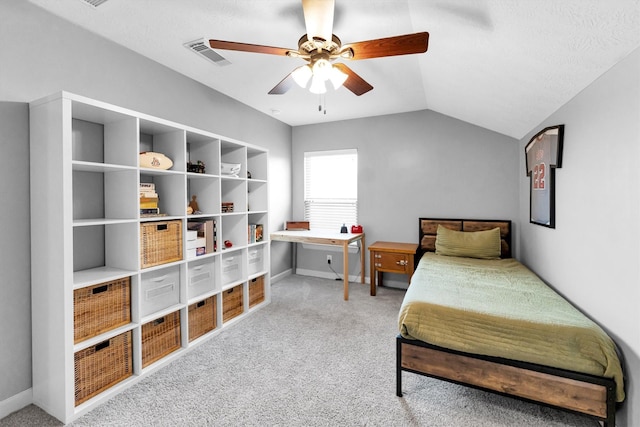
[160, 289]
[200, 277]
[255, 259]
[231, 268]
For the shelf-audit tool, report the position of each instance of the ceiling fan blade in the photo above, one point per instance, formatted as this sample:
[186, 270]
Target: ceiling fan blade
[354, 82]
[246, 47]
[284, 86]
[318, 18]
[390, 46]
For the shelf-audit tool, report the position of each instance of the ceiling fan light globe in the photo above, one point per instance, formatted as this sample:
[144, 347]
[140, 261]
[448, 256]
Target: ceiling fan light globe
[301, 75]
[337, 77]
[322, 69]
[317, 86]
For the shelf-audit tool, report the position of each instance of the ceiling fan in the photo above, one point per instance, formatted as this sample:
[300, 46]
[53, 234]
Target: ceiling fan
[321, 48]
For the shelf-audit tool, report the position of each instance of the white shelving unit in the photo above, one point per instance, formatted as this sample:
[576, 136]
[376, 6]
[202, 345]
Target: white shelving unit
[86, 231]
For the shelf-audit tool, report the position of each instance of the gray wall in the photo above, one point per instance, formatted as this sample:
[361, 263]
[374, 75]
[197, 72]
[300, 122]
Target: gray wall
[15, 287]
[593, 254]
[41, 54]
[412, 165]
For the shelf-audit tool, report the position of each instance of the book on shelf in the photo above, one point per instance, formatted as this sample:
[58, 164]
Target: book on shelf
[255, 233]
[207, 229]
[150, 213]
[148, 203]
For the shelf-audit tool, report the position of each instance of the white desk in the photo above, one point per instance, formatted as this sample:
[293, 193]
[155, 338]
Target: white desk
[319, 237]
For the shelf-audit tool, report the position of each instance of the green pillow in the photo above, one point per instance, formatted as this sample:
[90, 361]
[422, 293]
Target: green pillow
[471, 244]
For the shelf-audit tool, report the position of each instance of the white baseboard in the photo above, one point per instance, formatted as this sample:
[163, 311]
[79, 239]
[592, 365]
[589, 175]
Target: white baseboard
[281, 276]
[16, 402]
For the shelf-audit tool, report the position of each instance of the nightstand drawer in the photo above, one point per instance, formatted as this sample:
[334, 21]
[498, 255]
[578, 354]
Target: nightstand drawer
[392, 263]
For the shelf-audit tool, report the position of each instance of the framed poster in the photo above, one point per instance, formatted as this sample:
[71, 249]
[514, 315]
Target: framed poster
[543, 155]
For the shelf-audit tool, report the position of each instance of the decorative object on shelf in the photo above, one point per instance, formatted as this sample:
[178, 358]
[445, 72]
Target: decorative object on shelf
[197, 167]
[248, 175]
[228, 243]
[227, 207]
[193, 204]
[343, 229]
[230, 169]
[153, 160]
[543, 155]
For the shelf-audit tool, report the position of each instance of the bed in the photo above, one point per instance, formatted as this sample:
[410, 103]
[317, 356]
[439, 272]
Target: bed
[477, 317]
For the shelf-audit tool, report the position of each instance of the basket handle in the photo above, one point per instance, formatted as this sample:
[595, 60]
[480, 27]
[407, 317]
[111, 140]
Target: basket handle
[161, 227]
[159, 279]
[159, 321]
[102, 345]
[201, 303]
[100, 289]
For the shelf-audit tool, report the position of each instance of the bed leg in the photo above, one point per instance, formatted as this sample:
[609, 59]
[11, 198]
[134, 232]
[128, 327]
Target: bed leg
[611, 407]
[398, 367]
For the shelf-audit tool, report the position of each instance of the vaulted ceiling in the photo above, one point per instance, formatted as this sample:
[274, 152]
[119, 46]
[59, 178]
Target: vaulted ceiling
[503, 65]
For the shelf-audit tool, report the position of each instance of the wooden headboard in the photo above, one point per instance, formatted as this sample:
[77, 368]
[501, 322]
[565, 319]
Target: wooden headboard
[428, 228]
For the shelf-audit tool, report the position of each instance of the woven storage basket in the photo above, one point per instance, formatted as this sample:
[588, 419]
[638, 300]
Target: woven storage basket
[160, 337]
[160, 242]
[101, 308]
[101, 366]
[232, 304]
[256, 291]
[202, 317]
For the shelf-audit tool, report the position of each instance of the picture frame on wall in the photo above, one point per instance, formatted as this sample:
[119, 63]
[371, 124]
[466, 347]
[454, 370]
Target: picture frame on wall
[543, 155]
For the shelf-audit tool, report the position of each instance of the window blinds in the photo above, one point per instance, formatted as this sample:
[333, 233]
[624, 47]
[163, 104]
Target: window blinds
[331, 188]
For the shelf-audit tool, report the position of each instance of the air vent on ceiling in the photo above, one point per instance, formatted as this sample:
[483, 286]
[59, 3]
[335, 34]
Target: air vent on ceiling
[202, 48]
[94, 3]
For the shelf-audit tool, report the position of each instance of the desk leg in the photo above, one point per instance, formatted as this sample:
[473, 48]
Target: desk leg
[362, 257]
[295, 257]
[345, 261]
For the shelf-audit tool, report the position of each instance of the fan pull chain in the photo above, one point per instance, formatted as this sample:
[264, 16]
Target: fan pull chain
[322, 103]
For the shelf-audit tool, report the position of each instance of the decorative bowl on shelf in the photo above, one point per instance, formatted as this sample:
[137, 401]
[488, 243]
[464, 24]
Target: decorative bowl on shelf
[231, 169]
[150, 159]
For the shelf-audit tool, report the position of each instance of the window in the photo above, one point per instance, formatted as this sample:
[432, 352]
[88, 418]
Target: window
[331, 188]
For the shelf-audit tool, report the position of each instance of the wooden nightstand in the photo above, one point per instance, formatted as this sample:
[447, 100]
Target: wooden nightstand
[390, 257]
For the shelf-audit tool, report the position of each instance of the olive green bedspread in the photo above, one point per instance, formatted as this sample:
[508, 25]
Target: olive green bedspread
[500, 308]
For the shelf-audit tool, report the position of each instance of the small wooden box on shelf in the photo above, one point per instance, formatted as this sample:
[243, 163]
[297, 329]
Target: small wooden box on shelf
[390, 257]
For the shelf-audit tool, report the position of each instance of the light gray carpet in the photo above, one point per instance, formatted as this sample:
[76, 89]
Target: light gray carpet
[308, 358]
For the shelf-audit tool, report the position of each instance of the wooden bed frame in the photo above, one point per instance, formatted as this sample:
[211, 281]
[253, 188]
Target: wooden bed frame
[558, 388]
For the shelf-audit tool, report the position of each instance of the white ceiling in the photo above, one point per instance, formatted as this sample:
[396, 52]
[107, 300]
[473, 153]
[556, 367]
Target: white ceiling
[503, 65]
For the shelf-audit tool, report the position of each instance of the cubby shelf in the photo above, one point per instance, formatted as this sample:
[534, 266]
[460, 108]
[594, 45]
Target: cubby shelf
[87, 234]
